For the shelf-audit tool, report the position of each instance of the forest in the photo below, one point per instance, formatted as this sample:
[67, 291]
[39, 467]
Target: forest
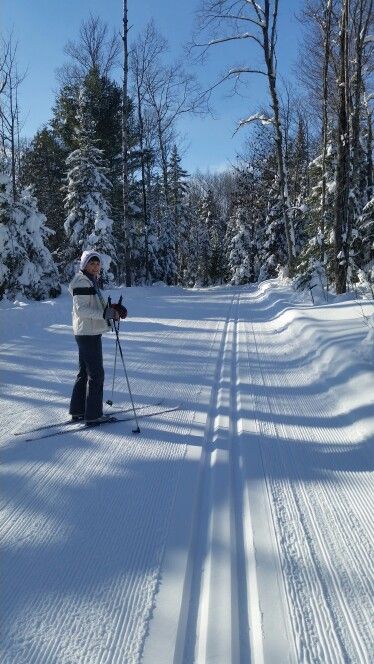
[107, 172]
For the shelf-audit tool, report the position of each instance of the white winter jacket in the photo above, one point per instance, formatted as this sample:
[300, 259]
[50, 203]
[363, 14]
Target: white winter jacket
[87, 308]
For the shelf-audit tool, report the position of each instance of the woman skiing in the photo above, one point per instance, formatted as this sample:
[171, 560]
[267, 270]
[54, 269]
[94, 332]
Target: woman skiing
[91, 317]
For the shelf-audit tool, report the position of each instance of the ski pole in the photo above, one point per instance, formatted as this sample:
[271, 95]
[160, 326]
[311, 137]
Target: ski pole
[137, 429]
[110, 401]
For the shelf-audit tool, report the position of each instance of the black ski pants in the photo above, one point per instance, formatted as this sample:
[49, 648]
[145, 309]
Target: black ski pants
[87, 396]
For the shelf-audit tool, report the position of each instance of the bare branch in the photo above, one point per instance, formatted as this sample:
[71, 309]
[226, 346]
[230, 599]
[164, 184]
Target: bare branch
[263, 119]
[244, 35]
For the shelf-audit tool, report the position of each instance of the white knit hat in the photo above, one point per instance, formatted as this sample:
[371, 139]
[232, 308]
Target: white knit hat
[86, 256]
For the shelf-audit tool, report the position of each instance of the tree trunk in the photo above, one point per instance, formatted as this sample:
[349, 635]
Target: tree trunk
[164, 160]
[342, 167]
[269, 53]
[125, 148]
[369, 156]
[326, 57]
[144, 186]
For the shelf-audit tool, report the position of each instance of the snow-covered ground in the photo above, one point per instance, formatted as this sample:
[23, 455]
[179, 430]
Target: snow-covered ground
[235, 529]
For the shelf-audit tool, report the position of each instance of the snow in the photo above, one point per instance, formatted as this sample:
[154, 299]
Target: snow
[234, 529]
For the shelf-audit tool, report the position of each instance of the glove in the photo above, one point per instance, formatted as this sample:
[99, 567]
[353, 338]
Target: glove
[110, 313]
[120, 309]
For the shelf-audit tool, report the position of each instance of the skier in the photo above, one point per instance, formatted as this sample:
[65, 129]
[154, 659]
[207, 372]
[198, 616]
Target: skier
[91, 317]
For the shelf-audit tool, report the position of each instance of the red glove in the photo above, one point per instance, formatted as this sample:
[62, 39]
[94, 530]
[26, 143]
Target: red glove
[121, 310]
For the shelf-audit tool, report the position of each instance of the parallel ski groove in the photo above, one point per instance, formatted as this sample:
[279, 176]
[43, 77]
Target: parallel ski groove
[337, 549]
[302, 588]
[196, 566]
[220, 577]
[332, 544]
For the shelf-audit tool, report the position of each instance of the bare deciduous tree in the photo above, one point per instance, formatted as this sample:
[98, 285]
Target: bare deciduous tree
[248, 20]
[144, 53]
[170, 92]
[9, 108]
[95, 48]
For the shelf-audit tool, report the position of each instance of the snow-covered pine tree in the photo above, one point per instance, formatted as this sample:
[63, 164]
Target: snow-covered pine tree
[191, 240]
[27, 265]
[43, 167]
[10, 252]
[153, 230]
[167, 248]
[315, 263]
[272, 245]
[244, 225]
[241, 247]
[39, 277]
[298, 181]
[88, 224]
[178, 188]
[203, 245]
[365, 244]
[216, 229]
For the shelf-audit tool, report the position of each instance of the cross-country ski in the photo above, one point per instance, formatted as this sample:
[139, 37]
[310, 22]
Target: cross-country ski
[71, 422]
[111, 419]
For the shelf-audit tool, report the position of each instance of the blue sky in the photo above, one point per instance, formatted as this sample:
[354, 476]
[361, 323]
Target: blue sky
[42, 27]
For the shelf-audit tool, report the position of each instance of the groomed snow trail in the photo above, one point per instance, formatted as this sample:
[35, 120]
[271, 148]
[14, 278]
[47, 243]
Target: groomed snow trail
[236, 530]
[280, 560]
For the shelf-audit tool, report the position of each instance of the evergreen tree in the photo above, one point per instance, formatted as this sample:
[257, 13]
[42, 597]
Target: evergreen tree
[178, 188]
[43, 167]
[315, 264]
[27, 265]
[88, 224]
[216, 231]
[241, 248]
[167, 248]
[364, 245]
[104, 100]
[154, 221]
[273, 252]
[203, 245]
[39, 277]
[10, 252]
[299, 181]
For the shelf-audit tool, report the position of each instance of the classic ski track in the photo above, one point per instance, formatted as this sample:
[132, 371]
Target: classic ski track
[337, 550]
[221, 567]
[68, 614]
[291, 543]
[344, 617]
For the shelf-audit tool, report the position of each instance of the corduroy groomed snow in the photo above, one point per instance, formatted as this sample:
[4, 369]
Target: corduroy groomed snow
[86, 256]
